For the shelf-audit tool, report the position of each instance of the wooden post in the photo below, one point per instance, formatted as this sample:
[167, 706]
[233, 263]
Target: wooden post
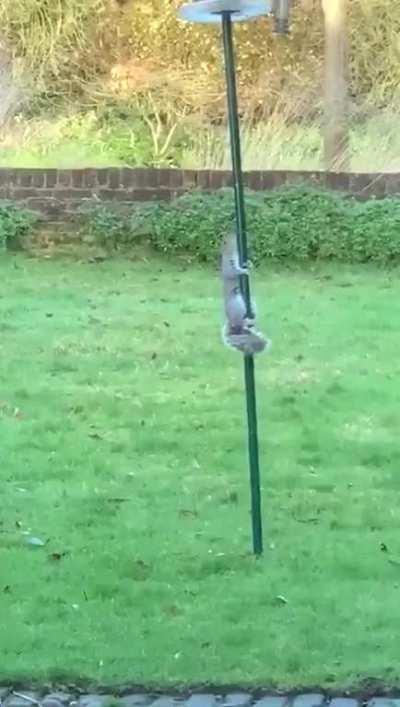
[336, 136]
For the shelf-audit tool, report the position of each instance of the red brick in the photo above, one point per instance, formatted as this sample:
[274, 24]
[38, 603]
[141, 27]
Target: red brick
[138, 177]
[107, 194]
[9, 176]
[128, 177]
[220, 178]
[4, 177]
[159, 178]
[102, 177]
[189, 178]
[38, 178]
[46, 193]
[204, 179]
[51, 177]
[365, 186]
[273, 179]
[303, 177]
[78, 178]
[73, 194]
[392, 184]
[64, 178]
[22, 192]
[337, 180]
[114, 178]
[150, 194]
[253, 180]
[25, 177]
[176, 178]
[90, 178]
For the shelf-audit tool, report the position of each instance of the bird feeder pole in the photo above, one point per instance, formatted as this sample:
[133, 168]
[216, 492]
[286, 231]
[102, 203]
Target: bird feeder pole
[226, 12]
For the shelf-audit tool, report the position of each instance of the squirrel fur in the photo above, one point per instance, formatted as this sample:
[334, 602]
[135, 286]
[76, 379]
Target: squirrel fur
[239, 330]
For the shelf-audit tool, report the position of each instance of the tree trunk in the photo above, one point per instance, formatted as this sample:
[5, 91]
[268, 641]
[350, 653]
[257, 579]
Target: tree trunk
[336, 136]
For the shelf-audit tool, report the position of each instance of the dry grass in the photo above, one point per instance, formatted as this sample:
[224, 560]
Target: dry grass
[67, 47]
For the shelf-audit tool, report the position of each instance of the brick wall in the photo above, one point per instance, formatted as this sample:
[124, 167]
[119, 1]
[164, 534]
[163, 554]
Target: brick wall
[56, 194]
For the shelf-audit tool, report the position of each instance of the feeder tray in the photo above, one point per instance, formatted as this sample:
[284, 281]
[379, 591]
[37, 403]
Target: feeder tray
[211, 11]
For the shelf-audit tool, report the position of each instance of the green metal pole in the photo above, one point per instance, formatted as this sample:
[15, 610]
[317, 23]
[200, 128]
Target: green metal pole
[241, 234]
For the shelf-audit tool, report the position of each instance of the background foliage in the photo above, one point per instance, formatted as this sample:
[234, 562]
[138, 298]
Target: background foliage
[292, 223]
[15, 225]
[117, 81]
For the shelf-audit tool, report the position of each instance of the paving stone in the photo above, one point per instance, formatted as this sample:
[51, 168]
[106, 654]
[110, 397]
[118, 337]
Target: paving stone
[271, 701]
[202, 700]
[135, 700]
[166, 701]
[50, 702]
[237, 699]
[64, 698]
[310, 700]
[20, 701]
[93, 700]
[384, 702]
[344, 702]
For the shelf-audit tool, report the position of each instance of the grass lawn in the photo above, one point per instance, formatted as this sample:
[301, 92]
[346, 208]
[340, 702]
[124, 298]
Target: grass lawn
[123, 448]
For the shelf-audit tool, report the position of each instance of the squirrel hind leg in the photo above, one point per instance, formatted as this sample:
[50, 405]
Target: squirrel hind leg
[247, 341]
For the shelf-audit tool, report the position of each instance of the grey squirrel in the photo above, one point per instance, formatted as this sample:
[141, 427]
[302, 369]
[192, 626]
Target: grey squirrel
[239, 330]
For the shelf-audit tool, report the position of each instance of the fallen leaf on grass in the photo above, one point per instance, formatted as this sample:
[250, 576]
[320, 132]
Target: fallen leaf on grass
[34, 542]
[281, 599]
[56, 556]
[172, 610]
[185, 513]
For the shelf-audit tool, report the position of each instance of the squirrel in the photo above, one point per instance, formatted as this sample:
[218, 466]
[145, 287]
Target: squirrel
[239, 330]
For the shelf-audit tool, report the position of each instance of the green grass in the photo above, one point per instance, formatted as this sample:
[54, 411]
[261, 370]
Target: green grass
[123, 448]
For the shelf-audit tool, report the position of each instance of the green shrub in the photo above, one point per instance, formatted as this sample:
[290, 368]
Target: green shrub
[296, 223]
[103, 226]
[192, 224]
[374, 232]
[15, 224]
[113, 228]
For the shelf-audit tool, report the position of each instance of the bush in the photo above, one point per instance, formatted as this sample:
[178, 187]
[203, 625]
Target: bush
[103, 226]
[375, 231]
[112, 228]
[15, 225]
[296, 223]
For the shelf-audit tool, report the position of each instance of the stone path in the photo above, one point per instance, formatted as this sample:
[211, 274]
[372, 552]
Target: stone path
[22, 698]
